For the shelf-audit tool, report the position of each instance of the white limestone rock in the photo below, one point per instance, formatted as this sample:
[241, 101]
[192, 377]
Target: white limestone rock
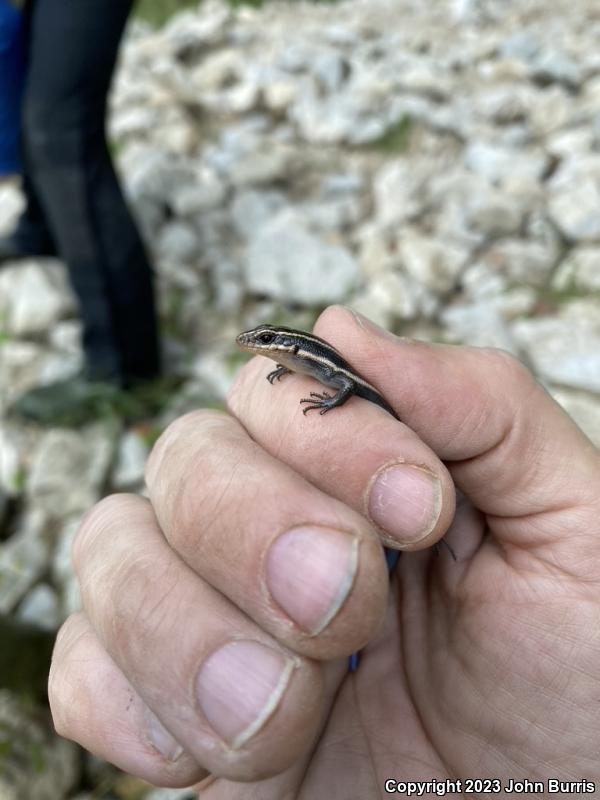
[179, 242]
[378, 251]
[38, 765]
[574, 200]
[132, 453]
[62, 570]
[521, 260]
[279, 95]
[498, 162]
[189, 33]
[11, 206]
[261, 167]
[575, 209]
[334, 213]
[554, 66]
[23, 558]
[33, 296]
[400, 190]
[492, 213]
[435, 264]
[392, 296]
[69, 468]
[287, 262]
[565, 350]
[21, 365]
[192, 199]
[12, 448]
[252, 208]
[583, 408]
[41, 608]
[579, 270]
[480, 324]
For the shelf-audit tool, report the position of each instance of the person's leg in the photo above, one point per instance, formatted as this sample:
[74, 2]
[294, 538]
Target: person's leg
[72, 50]
[31, 236]
[11, 79]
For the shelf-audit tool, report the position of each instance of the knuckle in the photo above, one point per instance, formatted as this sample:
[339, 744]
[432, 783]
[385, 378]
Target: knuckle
[99, 520]
[507, 368]
[144, 597]
[60, 688]
[190, 462]
[58, 708]
[247, 377]
[174, 443]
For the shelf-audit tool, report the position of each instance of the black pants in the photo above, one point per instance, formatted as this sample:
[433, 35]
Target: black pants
[74, 203]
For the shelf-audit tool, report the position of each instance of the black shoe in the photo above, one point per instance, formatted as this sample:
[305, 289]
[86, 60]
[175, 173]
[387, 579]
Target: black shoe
[12, 250]
[79, 400]
[71, 402]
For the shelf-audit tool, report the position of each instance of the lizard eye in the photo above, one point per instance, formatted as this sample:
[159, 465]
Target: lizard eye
[266, 338]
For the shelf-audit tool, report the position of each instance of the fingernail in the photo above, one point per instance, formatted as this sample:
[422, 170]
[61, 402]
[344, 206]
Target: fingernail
[239, 686]
[405, 501]
[309, 573]
[160, 737]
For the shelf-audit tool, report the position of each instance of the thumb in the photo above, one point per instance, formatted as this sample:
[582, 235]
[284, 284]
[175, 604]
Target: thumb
[509, 446]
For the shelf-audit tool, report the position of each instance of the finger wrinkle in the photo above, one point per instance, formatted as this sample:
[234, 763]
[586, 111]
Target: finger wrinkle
[198, 502]
[141, 581]
[173, 443]
[75, 628]
[101, 520]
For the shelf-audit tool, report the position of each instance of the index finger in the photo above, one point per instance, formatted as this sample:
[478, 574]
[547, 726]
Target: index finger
[358, 454]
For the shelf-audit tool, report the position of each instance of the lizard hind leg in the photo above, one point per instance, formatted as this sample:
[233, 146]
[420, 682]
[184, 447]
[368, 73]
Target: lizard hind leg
[325, 402]
[321, 401]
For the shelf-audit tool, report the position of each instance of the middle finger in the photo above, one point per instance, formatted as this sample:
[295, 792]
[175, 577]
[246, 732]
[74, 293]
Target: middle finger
[358, 453]
[302, 564]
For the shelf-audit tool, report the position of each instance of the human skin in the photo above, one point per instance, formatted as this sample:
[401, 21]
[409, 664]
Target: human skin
[213, 645]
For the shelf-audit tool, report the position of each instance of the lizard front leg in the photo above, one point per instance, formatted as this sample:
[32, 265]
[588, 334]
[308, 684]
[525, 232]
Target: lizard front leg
[278, 373]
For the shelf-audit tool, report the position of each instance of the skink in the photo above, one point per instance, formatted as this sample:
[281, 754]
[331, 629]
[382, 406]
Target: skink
[297, 351]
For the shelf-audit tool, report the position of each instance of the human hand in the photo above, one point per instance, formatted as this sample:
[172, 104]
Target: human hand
[199, 607]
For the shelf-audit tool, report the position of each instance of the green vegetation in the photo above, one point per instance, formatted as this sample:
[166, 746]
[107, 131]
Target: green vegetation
[550, 299]
[4, 336]
[253, 3]
[5, 748]
[397, 138]
[157, 12]
[75, 402]
[37, 757]
[150, 432]
[18, 479]
[148, 399]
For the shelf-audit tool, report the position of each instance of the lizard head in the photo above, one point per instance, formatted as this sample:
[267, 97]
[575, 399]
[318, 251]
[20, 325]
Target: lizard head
[268, 340]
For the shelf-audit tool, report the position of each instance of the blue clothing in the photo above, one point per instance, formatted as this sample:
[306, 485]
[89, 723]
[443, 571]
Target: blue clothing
[12, 71]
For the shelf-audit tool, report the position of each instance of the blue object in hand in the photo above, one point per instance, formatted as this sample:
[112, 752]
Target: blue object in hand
[391, 559]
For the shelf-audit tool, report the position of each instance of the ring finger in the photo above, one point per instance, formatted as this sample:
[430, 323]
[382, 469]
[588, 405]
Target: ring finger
[236, 700]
